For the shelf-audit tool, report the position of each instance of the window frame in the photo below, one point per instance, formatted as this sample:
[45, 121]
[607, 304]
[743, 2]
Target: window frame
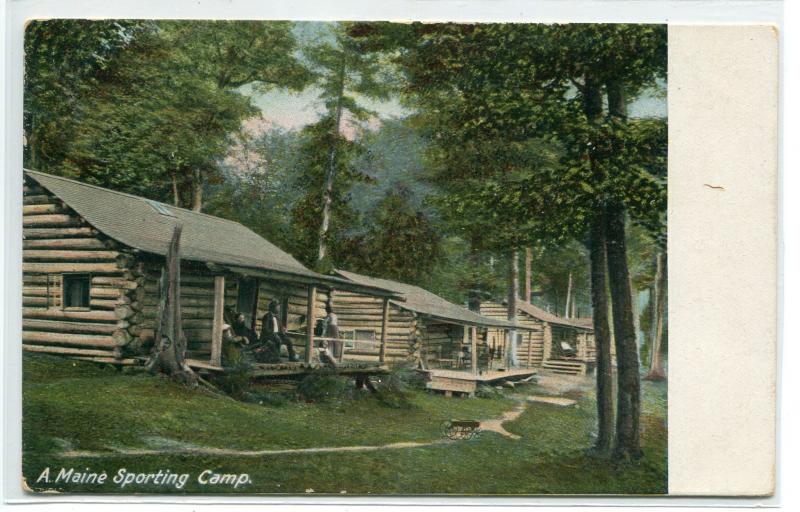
[70, 275]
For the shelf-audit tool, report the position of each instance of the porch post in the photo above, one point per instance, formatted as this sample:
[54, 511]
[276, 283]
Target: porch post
[473, 351]
[219, 319]
[384, 328]
[312, 297]
[530, 349]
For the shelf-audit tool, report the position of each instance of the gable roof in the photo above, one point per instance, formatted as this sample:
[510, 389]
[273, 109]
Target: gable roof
[546, 316]
[427, 303]
[147, 225]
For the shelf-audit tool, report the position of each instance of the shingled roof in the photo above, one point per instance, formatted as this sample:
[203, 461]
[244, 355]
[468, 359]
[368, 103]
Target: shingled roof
[147, 225]
[546, 316]
[426, 303]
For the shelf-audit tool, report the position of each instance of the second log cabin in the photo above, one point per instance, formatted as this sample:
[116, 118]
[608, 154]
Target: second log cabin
[422, 328]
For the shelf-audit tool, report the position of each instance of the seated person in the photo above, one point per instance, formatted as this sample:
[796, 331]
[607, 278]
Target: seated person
[240, 328]
[273, 335]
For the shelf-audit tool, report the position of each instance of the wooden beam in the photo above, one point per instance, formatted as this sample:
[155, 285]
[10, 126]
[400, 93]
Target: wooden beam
[384, 324]
[474, 349]
[219, 313]
[530, 349]
[311, 316]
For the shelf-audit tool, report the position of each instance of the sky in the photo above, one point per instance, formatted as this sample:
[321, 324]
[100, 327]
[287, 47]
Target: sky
[292, 111]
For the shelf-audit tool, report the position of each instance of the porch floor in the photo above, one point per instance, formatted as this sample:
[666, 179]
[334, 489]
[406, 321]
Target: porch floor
[486, 376]
[300, 368]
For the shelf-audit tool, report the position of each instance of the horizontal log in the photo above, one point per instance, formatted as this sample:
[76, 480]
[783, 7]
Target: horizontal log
[62, 255]
[38, 209]
[109, 360]
[50, 220]
[59, 314]
[62, 267]
[189, 312]
[30, 233]
[100, 292]
[37, 199]
[63, 243]
[108, 303]
[68, 351]
[36, 301]
[186, 290]
[116, 282]
[33, 324]
[57, 338]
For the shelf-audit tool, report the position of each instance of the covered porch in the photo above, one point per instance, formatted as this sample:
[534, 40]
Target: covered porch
[299, 316]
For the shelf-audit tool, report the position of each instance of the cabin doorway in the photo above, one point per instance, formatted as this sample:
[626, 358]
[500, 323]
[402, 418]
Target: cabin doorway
[247, 301]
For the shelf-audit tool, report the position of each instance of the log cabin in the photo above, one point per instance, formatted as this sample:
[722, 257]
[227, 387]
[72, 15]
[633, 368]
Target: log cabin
[424, 327]
[560, 345]
[456, 346]
[92, 259]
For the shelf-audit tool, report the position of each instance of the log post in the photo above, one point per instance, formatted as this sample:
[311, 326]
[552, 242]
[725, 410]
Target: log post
[384, 327]
[530, 349]
[219, 319]
[473, 349]
[311, 315]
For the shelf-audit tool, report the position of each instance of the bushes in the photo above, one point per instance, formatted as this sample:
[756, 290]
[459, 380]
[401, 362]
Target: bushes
[320, 387]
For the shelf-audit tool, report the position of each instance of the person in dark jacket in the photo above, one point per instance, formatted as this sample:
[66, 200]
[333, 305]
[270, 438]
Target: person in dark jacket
[240, 328]
[273, 335]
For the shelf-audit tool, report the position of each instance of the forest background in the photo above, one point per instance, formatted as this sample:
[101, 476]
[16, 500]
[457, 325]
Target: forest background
[358, 146]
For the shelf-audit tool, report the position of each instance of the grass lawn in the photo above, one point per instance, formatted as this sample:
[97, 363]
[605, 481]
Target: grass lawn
[70, 405]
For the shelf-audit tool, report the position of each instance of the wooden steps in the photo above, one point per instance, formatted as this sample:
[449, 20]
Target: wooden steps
[565, 367]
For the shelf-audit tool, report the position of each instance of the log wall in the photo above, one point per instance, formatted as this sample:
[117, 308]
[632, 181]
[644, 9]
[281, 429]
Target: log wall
[530, 351]
[363, 312]
[57, 241]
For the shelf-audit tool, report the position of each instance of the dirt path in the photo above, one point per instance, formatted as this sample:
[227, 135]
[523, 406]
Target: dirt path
[173, 448]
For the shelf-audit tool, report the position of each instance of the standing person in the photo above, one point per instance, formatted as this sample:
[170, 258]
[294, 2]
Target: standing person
[273, 335]
[331, 349]
[331, 330]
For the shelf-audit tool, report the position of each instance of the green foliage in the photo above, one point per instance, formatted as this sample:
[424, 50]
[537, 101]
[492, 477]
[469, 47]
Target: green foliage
[156, 118]
[322, 387]
[398, 242]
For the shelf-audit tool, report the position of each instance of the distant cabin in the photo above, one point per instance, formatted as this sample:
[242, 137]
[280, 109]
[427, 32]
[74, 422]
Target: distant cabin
[561, 345]
[92, 259]
[423, 327]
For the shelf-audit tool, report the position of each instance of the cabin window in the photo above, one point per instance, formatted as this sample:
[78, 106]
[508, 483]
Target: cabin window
[75, 290]
[364, 335]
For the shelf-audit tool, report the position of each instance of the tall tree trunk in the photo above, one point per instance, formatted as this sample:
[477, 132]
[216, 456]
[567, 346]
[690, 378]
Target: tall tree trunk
[602, 337]
[176, 195]
[528, 276]
[568, 302]
[593, 108]
[627, 445]
[330, 175]
[197, 190]
[657, 371]
[572, 311]
[628, 385]
[169, 351]
[513, 295]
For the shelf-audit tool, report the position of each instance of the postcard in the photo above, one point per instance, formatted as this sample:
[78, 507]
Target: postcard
[352, 258]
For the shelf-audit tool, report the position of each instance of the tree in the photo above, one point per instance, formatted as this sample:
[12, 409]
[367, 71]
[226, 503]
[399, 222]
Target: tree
[64, 61]
[156, 102]
[343, 73]
[497, 87]
[399, 241]
[659, 297]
